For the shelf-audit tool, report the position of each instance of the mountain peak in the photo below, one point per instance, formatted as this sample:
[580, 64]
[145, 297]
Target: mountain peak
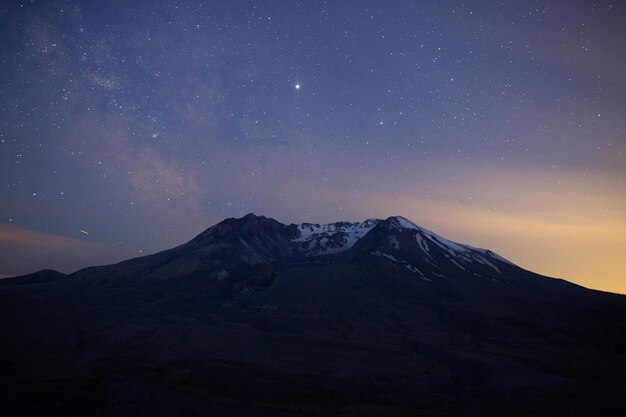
[258, 241]
[253, 299]
[252, 216]
[402, 222]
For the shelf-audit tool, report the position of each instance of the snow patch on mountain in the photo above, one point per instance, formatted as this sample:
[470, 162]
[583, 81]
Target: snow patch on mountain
[402, 262]
[420, 241]
[482, 260]
[406, 223]
[325, 239]
[321, 239]
[456, 252]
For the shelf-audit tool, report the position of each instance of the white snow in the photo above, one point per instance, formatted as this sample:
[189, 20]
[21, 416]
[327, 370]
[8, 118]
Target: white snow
[402, 262]
[484, 261]
[457, 264]
[386, 255]
[390, 257]
[406, 223]
[332, 237]
[496, 256]
[422, 243]
[413, 269]
[320, 239]
[447, 245]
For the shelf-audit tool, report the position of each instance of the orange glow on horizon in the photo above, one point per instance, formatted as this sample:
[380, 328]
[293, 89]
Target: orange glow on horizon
[553, 223]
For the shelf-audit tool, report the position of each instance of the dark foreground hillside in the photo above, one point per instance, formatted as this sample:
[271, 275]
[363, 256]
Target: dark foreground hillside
[256, 318]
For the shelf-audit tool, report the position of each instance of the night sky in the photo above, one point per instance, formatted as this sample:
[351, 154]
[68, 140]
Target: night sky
[129, 127]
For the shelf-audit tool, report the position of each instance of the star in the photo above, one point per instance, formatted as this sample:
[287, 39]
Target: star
[168, 131]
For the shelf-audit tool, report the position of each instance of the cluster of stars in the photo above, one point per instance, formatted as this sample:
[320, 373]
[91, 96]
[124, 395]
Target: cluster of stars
[164, 118]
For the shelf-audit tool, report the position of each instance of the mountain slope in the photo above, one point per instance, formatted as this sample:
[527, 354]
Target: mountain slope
[253, 317]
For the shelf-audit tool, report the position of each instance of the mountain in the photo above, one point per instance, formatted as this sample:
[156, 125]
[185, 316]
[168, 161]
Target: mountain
[45, 275]
[256, 318]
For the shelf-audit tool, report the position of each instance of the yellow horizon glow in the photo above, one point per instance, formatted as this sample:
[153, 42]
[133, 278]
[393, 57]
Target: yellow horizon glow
[556, 224]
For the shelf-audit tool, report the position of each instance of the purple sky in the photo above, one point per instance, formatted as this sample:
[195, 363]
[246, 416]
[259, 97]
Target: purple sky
[143, 123]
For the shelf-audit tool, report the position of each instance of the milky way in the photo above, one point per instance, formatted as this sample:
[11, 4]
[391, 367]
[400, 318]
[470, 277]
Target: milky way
[127, 128]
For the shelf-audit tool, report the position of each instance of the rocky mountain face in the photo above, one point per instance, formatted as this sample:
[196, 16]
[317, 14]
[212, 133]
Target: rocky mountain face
[253, 318]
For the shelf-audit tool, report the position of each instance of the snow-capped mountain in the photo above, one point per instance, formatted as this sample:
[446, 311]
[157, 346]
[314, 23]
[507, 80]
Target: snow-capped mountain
[420, 250]
[324, 239]
[257, 240]
[255, 317]
[316, 240]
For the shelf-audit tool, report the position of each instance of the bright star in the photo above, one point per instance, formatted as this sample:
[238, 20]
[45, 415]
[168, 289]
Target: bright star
[297, 86]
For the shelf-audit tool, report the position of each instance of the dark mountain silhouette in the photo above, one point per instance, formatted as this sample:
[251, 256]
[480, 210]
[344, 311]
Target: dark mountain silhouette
[256, 318]
[45, 275]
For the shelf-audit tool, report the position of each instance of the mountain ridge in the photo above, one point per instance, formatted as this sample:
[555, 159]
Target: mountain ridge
[337, 233]
[257, 239]
[253, 240]
[246, 319]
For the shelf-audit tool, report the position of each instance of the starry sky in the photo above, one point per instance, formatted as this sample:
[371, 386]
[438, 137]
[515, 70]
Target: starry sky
[128, 127]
